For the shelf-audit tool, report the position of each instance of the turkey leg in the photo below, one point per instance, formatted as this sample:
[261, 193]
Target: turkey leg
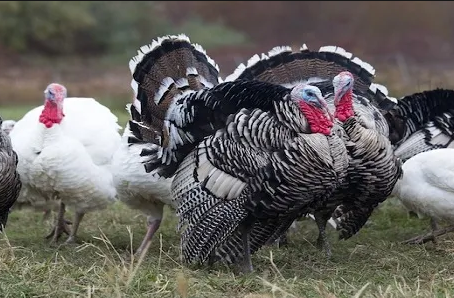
[60, 226]
[153, 226]
[77, 219]
[322, 240]
[247, 262]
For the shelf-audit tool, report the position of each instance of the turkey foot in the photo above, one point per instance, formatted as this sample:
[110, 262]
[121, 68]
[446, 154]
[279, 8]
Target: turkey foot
[429, 236]
[60, 226]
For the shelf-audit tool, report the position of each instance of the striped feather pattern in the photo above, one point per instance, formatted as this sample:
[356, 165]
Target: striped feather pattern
[422, 122]
[285, 66]
[372, 174]
[234, 180]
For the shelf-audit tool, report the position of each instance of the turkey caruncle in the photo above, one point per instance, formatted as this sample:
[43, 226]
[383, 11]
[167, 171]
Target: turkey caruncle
[373, 169]
[244, 153]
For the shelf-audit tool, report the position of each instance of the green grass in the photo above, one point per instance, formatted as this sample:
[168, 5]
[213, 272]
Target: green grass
[371, 264]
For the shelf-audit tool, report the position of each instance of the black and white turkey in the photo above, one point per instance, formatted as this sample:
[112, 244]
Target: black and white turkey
[348, 94]
[10, 183]
[136, 188]
[65, 150]
[248, 157]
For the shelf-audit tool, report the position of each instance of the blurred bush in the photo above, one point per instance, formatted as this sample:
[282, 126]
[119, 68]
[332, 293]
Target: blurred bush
[97, 27]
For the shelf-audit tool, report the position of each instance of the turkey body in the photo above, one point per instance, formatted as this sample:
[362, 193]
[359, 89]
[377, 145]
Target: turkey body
[136, 188]
[10, 183]
[69, 162]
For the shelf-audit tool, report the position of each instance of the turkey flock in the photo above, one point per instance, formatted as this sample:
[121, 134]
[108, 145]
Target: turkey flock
[293, 133]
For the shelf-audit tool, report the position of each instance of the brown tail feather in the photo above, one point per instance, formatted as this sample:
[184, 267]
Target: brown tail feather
[283, 65]
[167, 67]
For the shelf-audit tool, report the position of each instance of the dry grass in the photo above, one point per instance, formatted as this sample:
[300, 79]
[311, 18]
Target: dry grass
[372, 264]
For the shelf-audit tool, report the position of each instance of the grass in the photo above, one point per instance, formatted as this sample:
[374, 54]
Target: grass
[371, 264]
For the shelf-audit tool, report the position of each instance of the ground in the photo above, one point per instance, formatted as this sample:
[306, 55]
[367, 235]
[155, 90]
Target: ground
[371, 264]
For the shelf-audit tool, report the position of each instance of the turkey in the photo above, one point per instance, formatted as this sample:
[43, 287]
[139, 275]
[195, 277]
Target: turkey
[10, 183]
[7, 126]
[364, 100]
[65, 150]
[427, 188]
[243, 153]
[168, 59]
[373, 170]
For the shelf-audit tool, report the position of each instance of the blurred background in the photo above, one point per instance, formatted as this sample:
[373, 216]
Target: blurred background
[87, 45]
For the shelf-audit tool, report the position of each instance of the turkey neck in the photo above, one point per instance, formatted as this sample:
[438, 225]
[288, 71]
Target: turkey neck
[50, 118]
[344, 109]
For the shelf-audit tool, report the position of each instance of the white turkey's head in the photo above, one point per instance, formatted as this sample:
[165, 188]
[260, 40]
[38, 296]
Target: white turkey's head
[313, 106]
[343, 95]
[7, 126]
[52, 113]
[55, 93]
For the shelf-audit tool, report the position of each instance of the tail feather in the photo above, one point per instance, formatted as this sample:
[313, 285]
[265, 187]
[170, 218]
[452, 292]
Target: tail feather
[421, 111]
[167, 67]
[284, 66]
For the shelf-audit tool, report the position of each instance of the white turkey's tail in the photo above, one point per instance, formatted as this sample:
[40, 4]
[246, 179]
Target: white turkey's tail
[285, 66]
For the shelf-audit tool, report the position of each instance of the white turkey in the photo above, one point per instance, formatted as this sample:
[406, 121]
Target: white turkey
[348, 94]
[65, 150]
[7, 126]
[135, 187]
[10, 183]
[243, 153]
[427, 188]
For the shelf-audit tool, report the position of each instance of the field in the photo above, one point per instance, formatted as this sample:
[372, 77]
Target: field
[371, 264]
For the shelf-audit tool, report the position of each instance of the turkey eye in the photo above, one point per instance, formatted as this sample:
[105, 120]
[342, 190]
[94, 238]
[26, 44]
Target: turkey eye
[310, 94]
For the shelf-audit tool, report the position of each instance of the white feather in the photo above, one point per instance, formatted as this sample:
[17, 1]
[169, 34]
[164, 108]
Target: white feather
[304, 48]
[427, 186]
[337, 50]
[278, 50]
[238, 71]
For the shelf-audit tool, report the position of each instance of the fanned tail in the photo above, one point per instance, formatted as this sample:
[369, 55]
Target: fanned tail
[163, 70]
[421, 122]
[283, 65]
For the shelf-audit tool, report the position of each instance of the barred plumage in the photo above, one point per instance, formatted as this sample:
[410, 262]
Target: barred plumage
[368, 102]
[10, 184]
[236, 185]
[421, 122]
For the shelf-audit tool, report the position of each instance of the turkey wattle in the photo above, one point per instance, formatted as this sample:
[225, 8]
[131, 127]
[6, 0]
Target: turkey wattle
[65, 150]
